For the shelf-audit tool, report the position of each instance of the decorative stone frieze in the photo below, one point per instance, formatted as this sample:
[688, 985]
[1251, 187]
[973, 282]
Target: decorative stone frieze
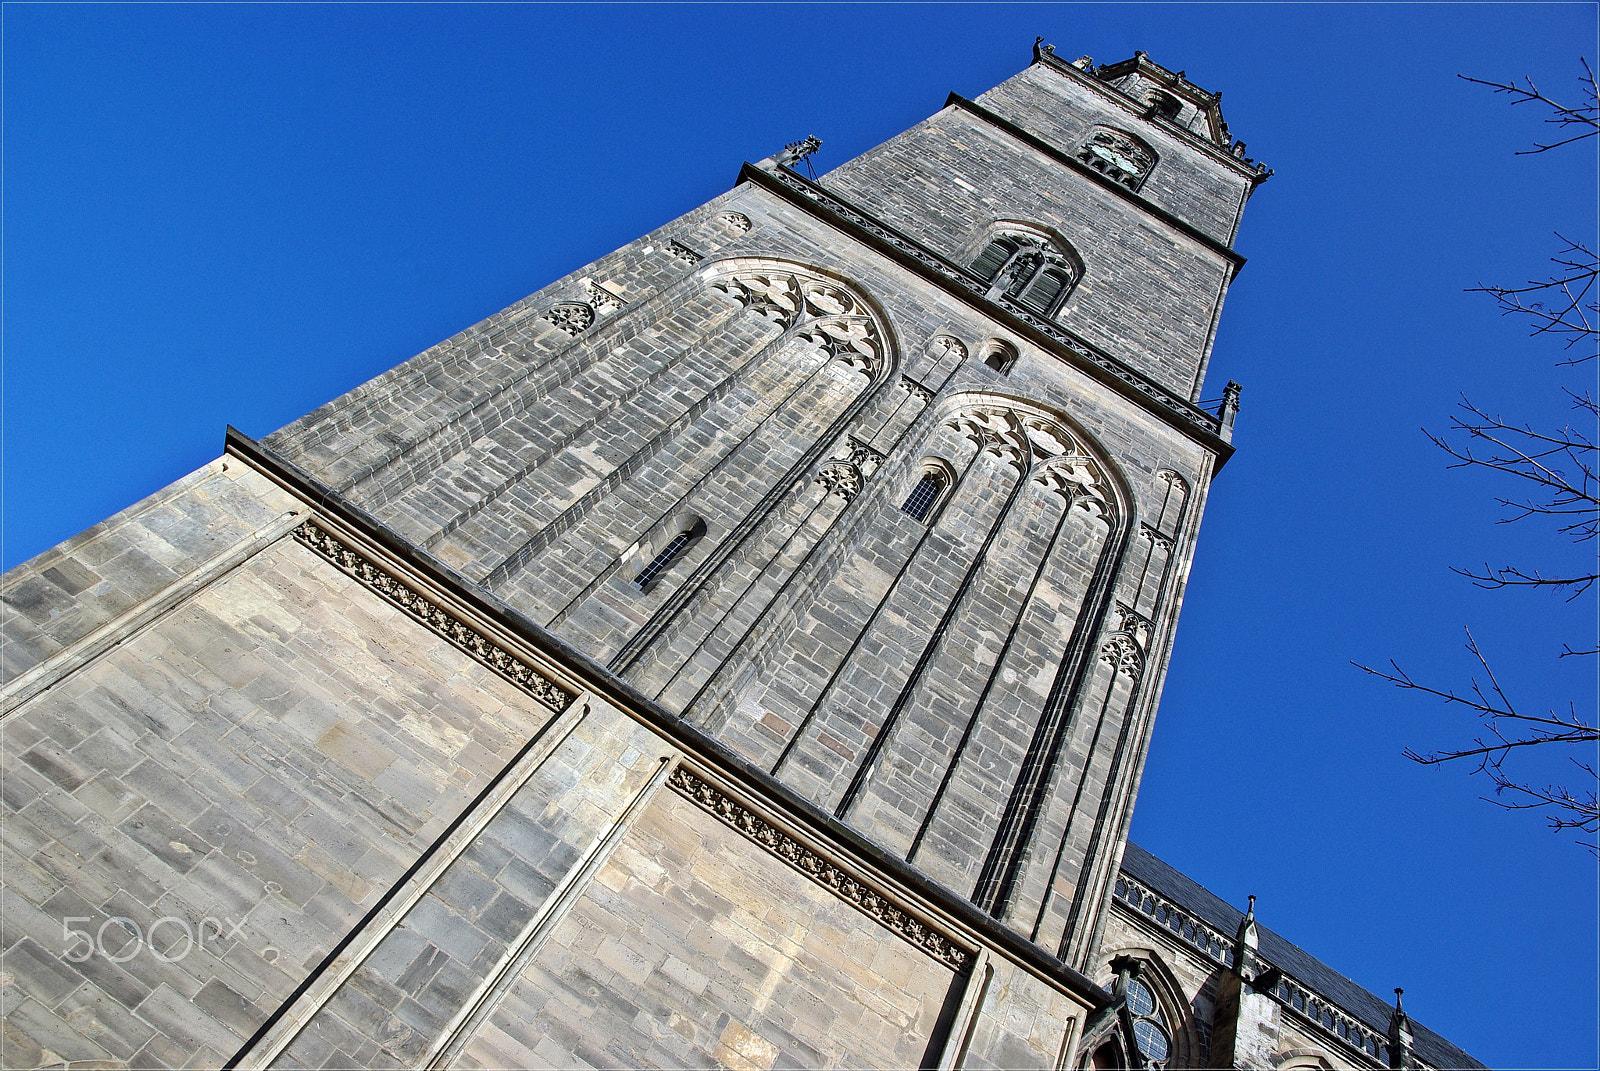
[825, 873]
[438, 620]
[602, 299]
[684, 253]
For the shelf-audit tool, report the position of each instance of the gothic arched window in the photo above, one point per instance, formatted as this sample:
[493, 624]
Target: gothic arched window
[1119, 156]
[1046, 290]
[920, 502]
[999, 355]
[660, 562]
[1150, 1031]
[994, 257]
[1028, 269]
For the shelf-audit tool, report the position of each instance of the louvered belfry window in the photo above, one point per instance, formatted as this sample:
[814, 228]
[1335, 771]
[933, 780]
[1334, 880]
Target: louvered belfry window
[1028, 270]
[1043, 292]
[993, 258]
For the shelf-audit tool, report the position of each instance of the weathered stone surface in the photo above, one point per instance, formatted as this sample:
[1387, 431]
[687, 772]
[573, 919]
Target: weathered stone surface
[777, 973]
[218, 798]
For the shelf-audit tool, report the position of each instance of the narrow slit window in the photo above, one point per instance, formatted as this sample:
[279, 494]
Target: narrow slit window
[924, 495]
[661, 562]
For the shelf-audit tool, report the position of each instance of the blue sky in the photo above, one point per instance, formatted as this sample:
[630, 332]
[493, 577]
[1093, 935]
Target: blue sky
[221, 215]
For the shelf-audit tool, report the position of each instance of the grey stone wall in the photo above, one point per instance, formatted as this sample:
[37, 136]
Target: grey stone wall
[240, 726]
[781, 396]
[237, 782]
[692, 949]
[288, 805]
[1206, 192]
[1149, 293]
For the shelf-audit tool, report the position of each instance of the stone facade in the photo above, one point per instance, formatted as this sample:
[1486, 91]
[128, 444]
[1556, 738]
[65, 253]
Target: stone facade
[739, 653]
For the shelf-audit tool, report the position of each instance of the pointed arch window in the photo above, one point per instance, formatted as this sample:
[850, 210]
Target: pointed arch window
[935, 478]
[1118, 156]
[660, 563]
[1028, 269]
[1150, 1030]
[1045, 291]
[920, 502]
[686, 532]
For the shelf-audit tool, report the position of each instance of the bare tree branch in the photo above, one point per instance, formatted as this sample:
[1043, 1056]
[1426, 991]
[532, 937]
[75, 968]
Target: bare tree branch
[1561, 466]
[1506, 729]
[1563, 305]
[1585, 117]
[1558, 473]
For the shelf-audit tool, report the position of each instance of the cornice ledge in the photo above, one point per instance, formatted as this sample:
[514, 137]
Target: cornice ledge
[1111, 92]
[1060, 156]
[784, 805]
[1206, 428]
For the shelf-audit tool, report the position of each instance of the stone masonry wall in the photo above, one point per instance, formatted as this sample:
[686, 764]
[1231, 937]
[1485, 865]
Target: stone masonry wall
[1149, 293]
[217, 799]
[774, 402]
[287, 805]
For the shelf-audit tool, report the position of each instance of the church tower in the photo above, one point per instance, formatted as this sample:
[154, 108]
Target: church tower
[740, 652]
[886, 482]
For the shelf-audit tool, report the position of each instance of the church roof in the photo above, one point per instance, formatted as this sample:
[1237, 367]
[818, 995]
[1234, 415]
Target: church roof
[1368, 1007]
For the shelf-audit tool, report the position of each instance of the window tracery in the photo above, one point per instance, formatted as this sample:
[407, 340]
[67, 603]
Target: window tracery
[1116, 155]
[1157, 1027]
[683, 252]
[1027, 268]
[1150, 1031]
[573, 317]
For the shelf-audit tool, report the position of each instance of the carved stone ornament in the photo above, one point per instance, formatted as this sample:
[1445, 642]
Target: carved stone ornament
[852, 340]
[1134, 624]
[774, 296]
[1116, 156]
[916, 390]
[915, 932]
[841, 478]
[942, 346]
[862, 456]
[436, 619]
[735, 221]
[684, 253]
[1078, 480]
[573, 317]
[1159, 538]
[602, 299]
[1122, 654]
[823, 300]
